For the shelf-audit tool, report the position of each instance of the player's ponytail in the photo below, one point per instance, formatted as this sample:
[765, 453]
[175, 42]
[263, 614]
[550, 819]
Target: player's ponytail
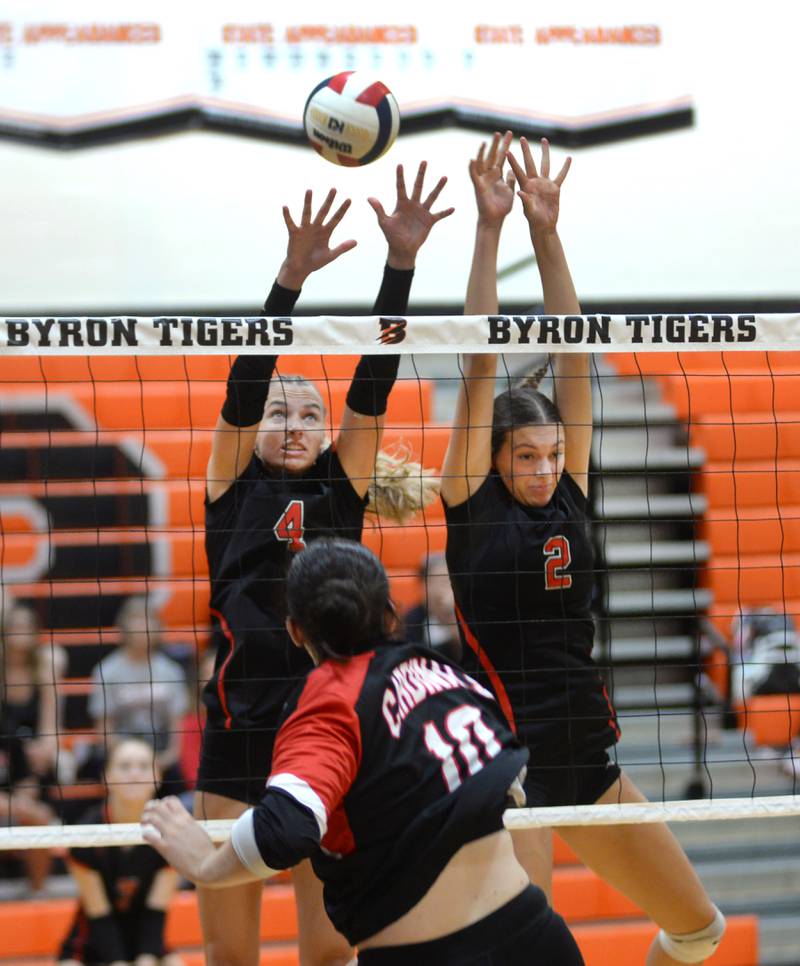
[524, 405]
[400, 487]
[337, 591]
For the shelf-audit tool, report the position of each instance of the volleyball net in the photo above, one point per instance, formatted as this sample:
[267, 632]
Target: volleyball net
[105, 433]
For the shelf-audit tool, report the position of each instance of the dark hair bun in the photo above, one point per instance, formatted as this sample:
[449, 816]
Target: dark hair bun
[338, 592]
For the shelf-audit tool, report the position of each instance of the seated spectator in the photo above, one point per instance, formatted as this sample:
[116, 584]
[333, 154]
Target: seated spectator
[765, 655]
[123, 892]
[139, 692]
[433, 622]
[32, 672]
[19, 802]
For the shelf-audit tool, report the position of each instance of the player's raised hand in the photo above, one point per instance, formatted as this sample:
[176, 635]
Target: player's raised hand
[539, 192]
[309, 246]
[412, 219]
[494, 191]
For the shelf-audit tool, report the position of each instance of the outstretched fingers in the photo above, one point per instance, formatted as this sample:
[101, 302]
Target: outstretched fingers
[288, 219]
[416, 194]
[545, 158]
[325, 207]
[491, 161]
[442, 214]
[306, 218]
[338, 214]
[559, 179]
[516, 168]
[401, 184]
[502, 151]
[436, 192]
[527, 157]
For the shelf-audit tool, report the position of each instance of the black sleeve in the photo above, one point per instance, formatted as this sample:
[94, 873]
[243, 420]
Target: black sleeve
[248, 380]
[480, 505]
[375, 375]
[286, 832]
[105, 939]
[150, 933]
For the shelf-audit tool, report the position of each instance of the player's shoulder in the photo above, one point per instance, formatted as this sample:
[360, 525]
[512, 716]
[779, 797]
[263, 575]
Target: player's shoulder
[568, 489]
[335, 682]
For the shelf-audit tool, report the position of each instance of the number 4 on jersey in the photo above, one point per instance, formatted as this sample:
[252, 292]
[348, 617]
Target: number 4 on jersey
[559, 557]
[289, 527]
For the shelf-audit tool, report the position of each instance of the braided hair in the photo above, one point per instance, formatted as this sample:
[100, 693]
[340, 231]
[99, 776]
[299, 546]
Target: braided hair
[521, 406]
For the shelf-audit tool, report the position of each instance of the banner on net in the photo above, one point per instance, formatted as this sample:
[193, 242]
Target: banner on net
[312, 335]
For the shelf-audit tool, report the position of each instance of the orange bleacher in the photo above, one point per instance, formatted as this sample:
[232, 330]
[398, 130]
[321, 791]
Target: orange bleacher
[743, 410]
[32, 931]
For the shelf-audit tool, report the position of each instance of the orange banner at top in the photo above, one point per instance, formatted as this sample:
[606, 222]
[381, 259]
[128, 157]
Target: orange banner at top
[92, 33]
[351, 34]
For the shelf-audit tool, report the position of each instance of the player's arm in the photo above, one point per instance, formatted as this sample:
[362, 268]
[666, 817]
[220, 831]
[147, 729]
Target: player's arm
[405, 230]
[104, 935]
[315, 761]
[469, 452]
[573, 389]
[248, 383]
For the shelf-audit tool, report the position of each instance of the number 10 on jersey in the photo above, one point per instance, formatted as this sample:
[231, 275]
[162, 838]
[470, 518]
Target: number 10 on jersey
[470, 733]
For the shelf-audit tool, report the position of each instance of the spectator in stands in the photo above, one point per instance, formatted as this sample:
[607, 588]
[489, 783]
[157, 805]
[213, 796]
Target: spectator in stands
[139, 692]
[433, 621]
[30, 672]
[19, 802]
[123, 892]
[765, 657]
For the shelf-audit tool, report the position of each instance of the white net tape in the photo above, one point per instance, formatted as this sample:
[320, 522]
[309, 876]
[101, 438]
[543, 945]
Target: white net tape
[393, 335]
[638, 813]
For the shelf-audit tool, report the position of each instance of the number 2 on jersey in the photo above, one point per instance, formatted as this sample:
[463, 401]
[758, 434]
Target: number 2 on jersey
[289, 527]
[468, 730]
[559, 557]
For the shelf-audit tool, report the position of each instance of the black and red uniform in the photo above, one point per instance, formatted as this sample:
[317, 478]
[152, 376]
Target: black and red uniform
[523, 579]
[385, 765]
[252, 532]
[132, 929]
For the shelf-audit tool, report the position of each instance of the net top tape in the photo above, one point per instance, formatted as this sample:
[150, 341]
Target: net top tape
[645, 813]
[344, 335]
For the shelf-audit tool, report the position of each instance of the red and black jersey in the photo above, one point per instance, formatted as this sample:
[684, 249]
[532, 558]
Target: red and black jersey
[128, 875]
[523, 579]
[384, 767]
[252, 532]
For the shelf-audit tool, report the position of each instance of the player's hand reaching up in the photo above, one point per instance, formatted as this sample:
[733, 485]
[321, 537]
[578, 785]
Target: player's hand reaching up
[309, 242]
[407, 227]
[494, 192]
[539, 193]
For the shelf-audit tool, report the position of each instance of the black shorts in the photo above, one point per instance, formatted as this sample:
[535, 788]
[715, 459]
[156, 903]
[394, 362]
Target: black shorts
[236, 763]
[580, 782]
[523, 932]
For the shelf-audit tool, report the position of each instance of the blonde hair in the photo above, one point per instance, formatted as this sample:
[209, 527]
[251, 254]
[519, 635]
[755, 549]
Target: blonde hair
[400, 487]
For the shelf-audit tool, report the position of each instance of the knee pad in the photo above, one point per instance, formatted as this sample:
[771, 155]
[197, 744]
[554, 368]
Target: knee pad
[694, 947]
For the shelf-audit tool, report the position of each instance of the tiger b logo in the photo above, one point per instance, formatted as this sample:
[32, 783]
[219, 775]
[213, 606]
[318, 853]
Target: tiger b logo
[393, 331]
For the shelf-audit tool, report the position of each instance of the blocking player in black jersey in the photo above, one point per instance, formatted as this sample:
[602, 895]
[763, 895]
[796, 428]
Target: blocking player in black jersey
[514, 484]
[123, 893]
[391, 770]
[273, 487]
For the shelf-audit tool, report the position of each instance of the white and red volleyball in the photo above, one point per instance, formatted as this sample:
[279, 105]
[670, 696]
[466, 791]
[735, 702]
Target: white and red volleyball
[351, 119]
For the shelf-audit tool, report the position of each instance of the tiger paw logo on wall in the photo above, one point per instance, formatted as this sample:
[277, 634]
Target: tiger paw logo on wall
[393, 331]
[101, 495]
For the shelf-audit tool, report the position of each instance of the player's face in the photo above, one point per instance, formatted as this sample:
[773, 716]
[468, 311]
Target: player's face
[293, 428]
[531, 461]
[140, 635]
[131, 773]
[21, 632]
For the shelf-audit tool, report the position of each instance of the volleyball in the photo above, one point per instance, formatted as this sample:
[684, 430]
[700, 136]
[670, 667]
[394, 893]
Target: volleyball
[351, 119]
